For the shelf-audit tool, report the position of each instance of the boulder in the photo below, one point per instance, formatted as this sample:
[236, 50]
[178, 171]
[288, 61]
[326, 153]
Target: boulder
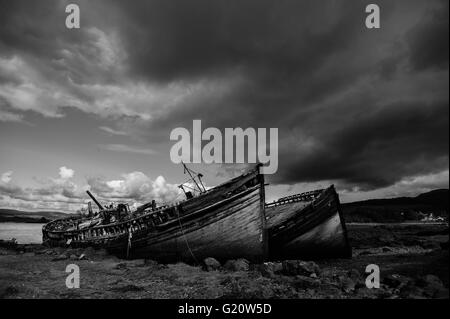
[240, 264]
[9, 290]
[347, 284]
[120, 266]
[211, 264]
[396, 281]
[299, 267]
[432, 287]
[411, 291]
[269, 269]
[150, 262]
[50, 252]
[429, 280]
[304, 282]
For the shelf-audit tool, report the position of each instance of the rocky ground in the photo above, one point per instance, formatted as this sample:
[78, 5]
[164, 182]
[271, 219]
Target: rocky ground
[413, 262]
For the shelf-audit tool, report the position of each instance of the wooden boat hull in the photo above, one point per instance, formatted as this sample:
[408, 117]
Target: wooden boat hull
[225, 223]
[231, 230]
[308, 226]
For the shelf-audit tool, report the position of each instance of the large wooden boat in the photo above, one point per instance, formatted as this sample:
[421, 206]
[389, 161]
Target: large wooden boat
[224, 222]
[307, 225]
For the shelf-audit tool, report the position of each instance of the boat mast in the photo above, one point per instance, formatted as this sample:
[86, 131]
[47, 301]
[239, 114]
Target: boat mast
[95, 200]
[187, 169]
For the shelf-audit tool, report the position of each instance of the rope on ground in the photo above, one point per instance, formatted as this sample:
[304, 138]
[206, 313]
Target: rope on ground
[185, 239]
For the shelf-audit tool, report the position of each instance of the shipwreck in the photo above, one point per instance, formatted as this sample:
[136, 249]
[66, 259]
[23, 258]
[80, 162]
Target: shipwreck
[228, 221]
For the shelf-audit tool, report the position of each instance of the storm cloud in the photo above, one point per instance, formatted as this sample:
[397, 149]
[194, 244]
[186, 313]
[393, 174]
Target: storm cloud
[366, 108]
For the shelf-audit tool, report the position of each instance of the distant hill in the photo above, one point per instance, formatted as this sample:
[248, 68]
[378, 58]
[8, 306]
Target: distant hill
[13, 215]
[374, 210]
[399, 209]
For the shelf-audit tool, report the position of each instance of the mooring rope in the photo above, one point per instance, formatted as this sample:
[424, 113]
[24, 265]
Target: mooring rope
[130, 235]
[185, 239]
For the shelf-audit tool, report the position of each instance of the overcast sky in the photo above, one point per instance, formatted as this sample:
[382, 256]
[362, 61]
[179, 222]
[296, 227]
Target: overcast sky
[93, 108]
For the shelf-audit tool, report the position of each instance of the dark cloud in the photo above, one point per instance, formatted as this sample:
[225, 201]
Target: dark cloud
[428, 40]
[376, 149]
[172, 40]
[365, 107]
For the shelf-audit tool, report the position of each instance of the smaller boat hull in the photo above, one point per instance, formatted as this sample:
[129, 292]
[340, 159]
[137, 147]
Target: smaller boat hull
[308, 225]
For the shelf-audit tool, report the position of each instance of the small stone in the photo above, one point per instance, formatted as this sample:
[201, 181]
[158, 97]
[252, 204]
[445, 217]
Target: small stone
[396, 281]
[150, 262]
[211, 264]
[131, 263]
[127, 288]
[442, 293]
[10, 290]
[304, 282]
[269, 269]
[136, 263]
[411, 291]
[299, 267]
[432, 286]
[51, 252]
[240, 264]
[347, 284]
[429, 280]
[60, 257]
[121, 265]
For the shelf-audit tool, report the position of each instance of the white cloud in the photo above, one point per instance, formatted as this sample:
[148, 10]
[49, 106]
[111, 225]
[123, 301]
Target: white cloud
[51, 193]
[135, 186]
[77, 79]
[6, 177]
[66, 173]
[112, 131]
[10, 117]
[63, 194]
[127, 148]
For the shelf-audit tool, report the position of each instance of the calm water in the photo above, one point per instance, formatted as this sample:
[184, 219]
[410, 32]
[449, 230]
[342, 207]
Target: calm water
[25, 233]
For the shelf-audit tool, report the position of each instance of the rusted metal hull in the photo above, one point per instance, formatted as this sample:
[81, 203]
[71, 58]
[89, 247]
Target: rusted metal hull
[226, 222]
[308, 225]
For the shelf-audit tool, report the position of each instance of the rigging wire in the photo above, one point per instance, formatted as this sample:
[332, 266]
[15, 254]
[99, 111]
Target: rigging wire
[185, 239]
